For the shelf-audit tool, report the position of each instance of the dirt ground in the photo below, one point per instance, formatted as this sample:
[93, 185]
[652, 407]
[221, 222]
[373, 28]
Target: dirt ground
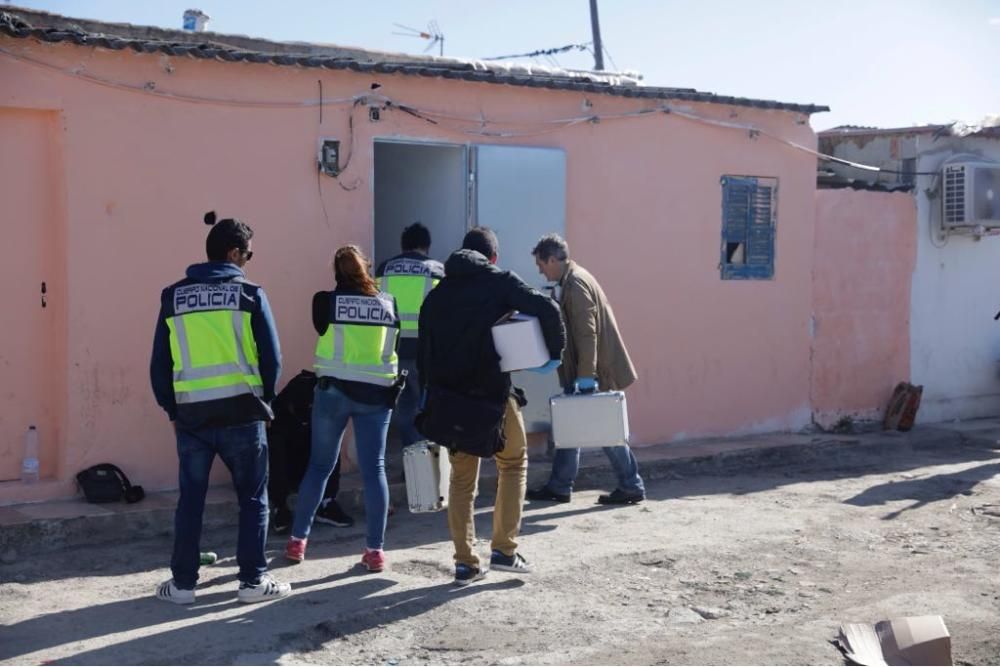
[754, 568]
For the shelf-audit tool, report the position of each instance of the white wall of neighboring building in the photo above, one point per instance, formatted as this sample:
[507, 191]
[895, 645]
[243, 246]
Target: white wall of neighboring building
[955, 343]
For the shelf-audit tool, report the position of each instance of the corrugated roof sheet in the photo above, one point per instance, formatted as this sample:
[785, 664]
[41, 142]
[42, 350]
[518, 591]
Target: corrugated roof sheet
[828, 180]
[991, 132]
[841, 130]
[956, 129]
[16, 26]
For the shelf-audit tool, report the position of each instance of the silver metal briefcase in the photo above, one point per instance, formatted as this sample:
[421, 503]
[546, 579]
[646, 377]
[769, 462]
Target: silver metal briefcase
[589, 420]
[427, 471]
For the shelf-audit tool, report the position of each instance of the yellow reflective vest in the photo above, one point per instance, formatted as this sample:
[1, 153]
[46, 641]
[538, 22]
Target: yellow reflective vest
[409, 277]
[211, 343]
[360, 342]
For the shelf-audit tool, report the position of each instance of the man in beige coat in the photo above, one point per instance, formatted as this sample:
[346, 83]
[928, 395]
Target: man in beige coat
[594, 358]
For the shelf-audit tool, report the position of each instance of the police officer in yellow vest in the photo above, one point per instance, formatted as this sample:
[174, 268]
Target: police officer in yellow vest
[357, 366]
[216, 359]
[409, 277]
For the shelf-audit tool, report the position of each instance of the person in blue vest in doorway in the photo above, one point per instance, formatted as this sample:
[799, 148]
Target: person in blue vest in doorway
[216, 360]
[595, 358]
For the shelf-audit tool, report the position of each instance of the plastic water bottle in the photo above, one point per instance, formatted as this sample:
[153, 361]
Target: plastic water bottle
[29, 465]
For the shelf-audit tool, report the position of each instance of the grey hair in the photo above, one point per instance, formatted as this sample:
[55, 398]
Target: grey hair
[551, 245]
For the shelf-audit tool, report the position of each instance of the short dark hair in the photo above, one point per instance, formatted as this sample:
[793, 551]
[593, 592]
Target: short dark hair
[483, 240]
[551, 245]
[415, 236]
[225, 235]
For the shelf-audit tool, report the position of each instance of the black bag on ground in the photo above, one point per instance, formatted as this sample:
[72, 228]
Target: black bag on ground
[106, 483]
[463, 423]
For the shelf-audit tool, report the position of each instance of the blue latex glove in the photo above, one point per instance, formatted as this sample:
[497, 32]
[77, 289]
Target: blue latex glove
[586, 385]
[547, 367]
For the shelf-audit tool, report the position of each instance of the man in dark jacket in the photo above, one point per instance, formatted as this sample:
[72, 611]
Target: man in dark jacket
[215, 362]
[456, 353]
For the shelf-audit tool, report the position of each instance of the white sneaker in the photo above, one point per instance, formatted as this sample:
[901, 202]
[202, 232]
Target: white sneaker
[267, 589]
[168, 592]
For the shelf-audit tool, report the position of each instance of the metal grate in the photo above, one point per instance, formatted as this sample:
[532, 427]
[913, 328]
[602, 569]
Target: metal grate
[954, 195]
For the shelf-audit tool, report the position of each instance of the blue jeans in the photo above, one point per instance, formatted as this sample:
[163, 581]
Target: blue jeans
[566, 464]
[330, 412]
[243, 449]
[408, 404]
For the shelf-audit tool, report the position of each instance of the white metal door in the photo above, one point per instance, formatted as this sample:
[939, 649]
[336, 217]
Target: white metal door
[520, 192]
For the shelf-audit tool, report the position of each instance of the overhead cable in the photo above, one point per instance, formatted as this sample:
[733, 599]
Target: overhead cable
[544, 52]
[482, 126]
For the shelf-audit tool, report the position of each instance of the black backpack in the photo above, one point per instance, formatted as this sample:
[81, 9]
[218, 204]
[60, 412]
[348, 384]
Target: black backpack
[106, 483]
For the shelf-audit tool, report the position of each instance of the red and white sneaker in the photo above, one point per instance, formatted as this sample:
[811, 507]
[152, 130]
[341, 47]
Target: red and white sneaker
[295, 550]
[373, 560]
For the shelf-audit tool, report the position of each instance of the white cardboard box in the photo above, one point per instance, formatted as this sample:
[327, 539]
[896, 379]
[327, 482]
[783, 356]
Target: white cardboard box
[589, 420]
[518, 341]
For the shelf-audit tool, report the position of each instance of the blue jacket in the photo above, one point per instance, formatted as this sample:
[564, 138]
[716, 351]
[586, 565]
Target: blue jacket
[227, 411]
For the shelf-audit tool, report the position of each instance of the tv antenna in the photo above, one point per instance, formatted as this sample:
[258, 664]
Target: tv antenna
[433, 33]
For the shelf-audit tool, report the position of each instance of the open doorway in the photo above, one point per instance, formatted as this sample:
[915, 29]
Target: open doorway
[423, 182]
[419, 181]
[518, 191]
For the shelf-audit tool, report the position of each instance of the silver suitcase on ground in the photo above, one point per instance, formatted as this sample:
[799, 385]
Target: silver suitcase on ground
[589, 420]
[427, 473]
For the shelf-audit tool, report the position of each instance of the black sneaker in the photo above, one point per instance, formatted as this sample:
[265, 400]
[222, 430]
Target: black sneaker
[543, 493]
[516, 563]
[466, 574]
[619, 497]
[281, 520]
[331, 513]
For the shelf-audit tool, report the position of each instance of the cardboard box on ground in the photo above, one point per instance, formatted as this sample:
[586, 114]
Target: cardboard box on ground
[913, 640]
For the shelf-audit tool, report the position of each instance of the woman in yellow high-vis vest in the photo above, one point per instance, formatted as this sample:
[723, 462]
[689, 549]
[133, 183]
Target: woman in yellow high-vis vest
[357, 367]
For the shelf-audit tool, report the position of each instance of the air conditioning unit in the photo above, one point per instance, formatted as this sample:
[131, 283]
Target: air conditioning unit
[971, 194]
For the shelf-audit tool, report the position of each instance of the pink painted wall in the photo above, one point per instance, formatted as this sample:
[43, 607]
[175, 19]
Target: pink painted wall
[866, 250]
[643, 214]
[32, 353]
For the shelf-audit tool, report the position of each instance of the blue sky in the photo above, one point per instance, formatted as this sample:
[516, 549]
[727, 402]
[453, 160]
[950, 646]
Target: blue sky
[873, 62]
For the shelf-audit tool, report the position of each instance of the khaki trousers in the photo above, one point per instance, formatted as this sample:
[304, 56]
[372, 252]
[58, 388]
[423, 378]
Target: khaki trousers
[512, 468]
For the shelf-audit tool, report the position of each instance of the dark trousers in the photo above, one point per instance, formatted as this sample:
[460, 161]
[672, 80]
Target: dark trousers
[243, 449]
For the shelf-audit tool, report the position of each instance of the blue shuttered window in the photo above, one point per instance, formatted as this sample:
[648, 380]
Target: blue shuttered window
[748, 227]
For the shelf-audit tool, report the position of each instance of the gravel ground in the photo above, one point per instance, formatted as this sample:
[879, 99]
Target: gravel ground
[759, 567]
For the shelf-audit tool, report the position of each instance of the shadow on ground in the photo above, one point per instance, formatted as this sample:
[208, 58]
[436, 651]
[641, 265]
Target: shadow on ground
[926, 490]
